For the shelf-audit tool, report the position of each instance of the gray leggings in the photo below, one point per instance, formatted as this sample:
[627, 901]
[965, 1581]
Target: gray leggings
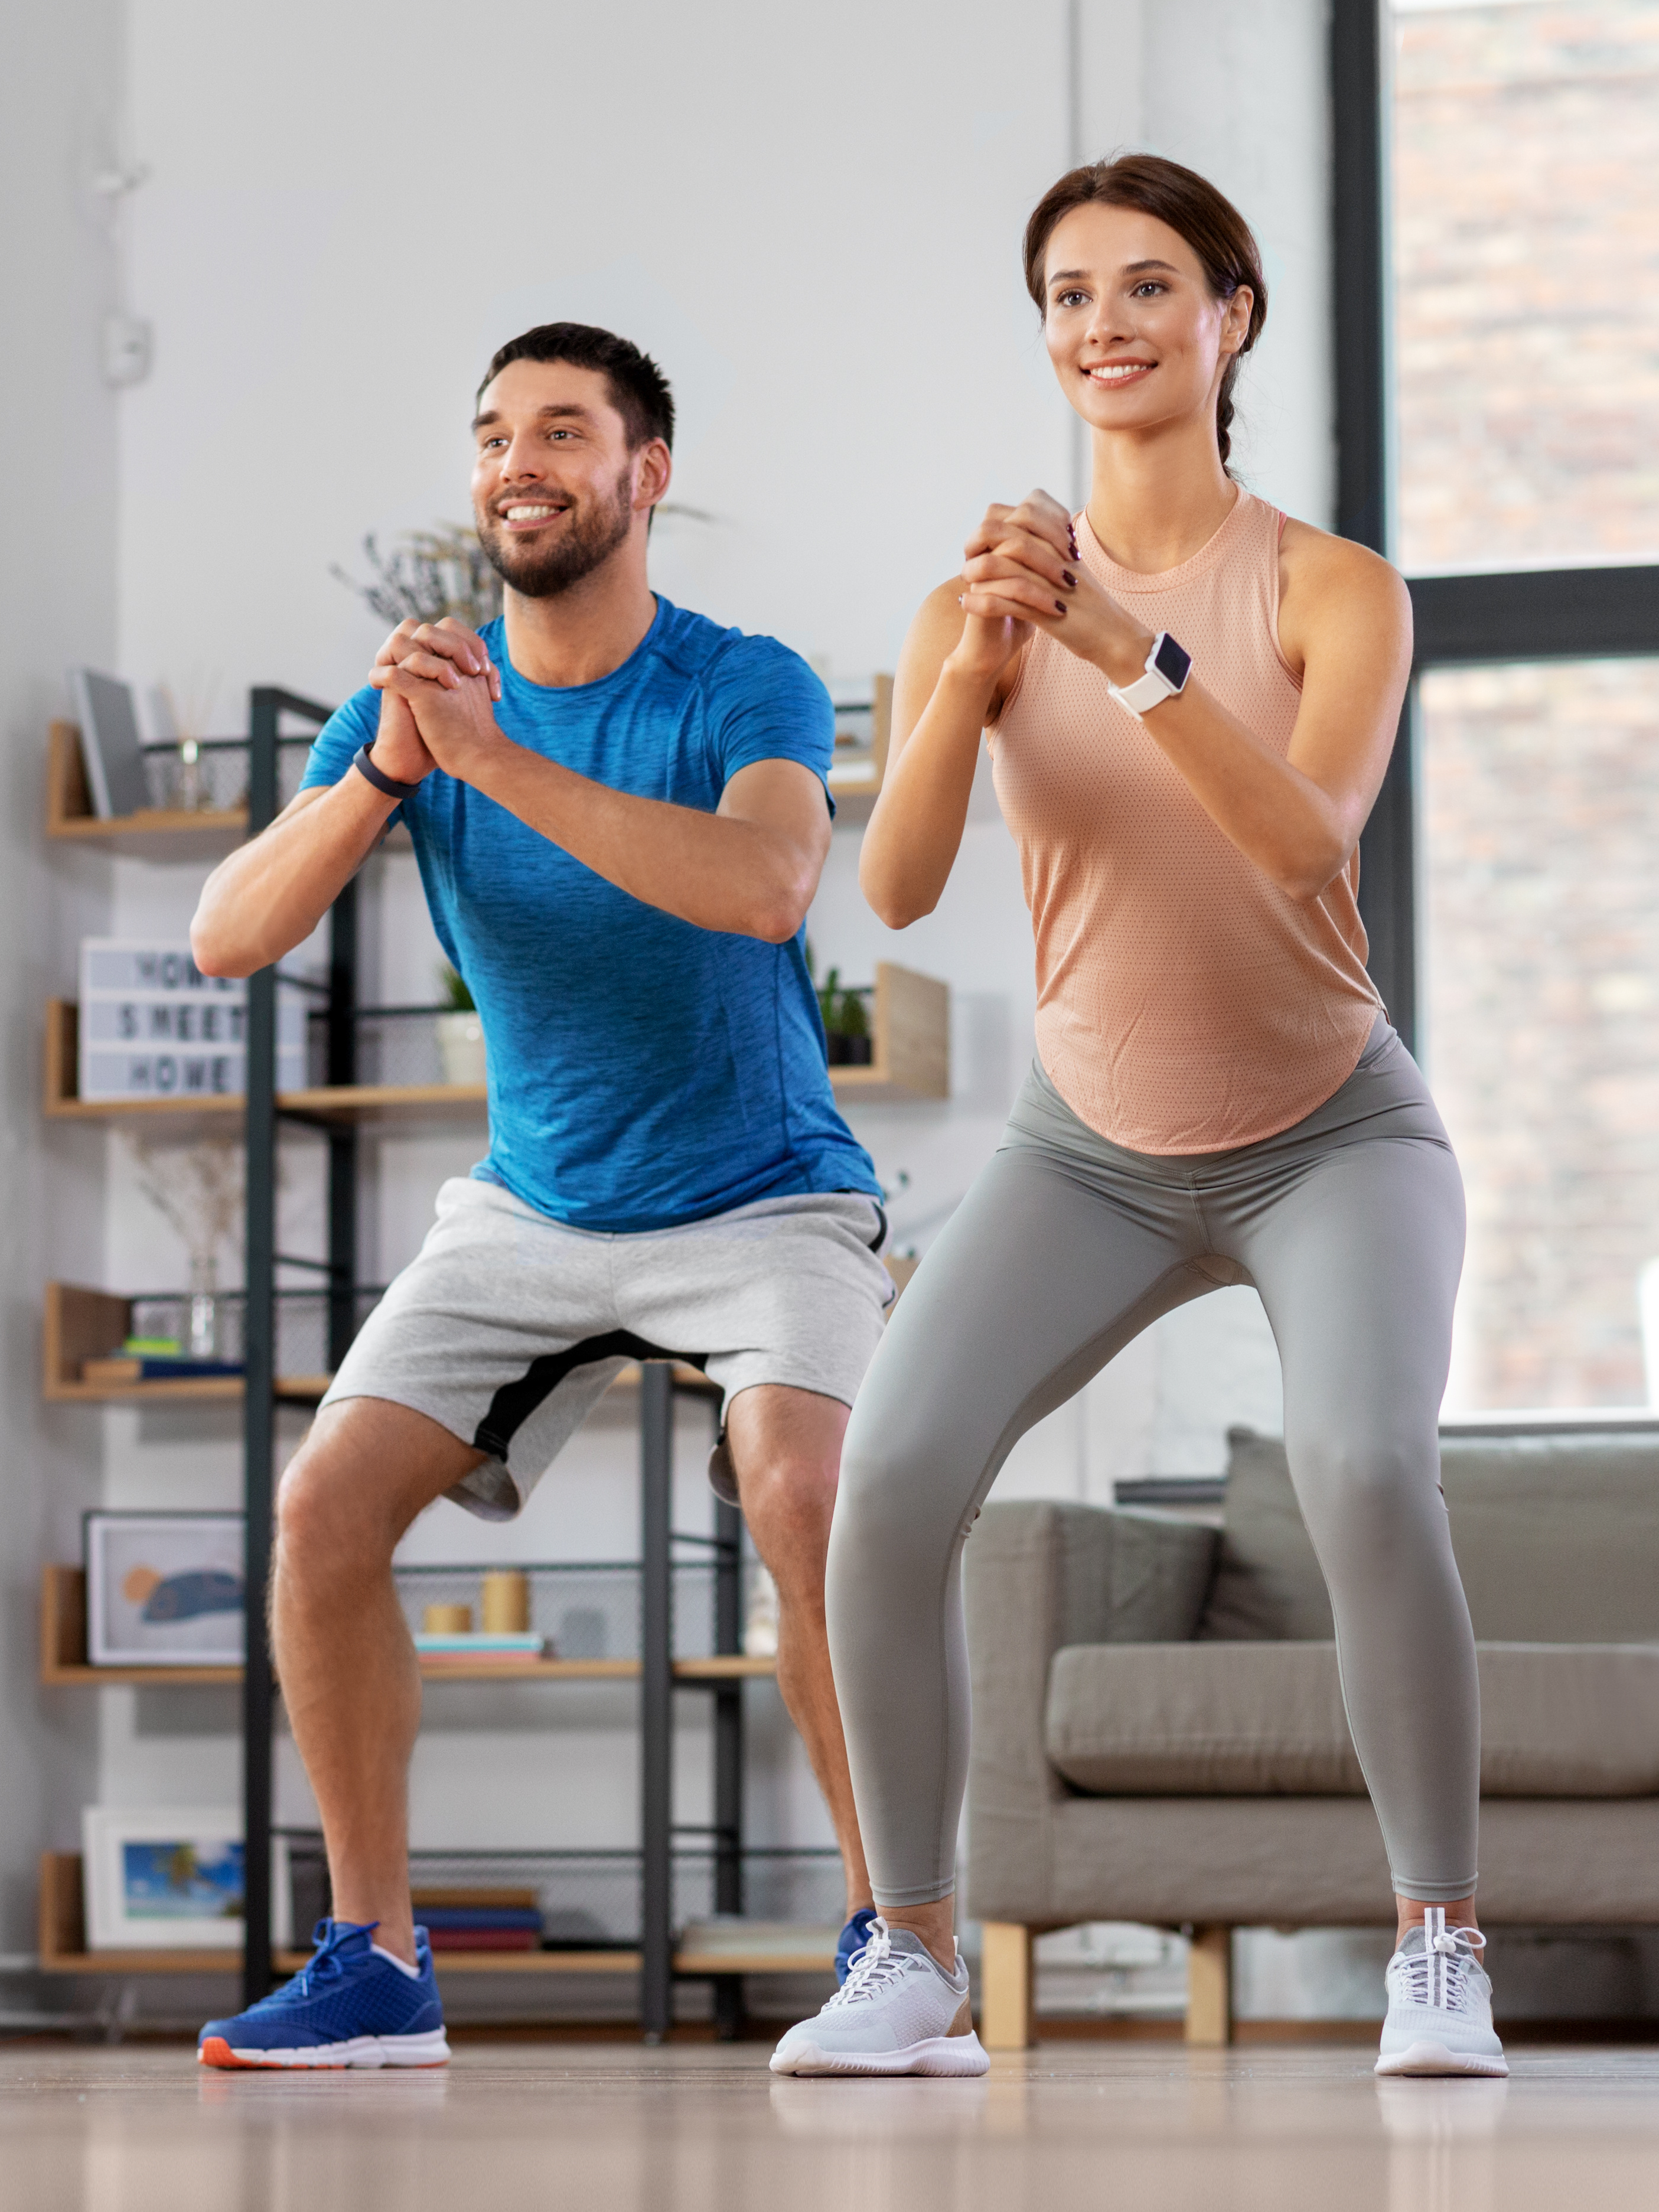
[1351, 1226]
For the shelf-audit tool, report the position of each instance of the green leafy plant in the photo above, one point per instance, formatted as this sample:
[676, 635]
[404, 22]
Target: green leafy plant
[433, 573]
[843, 1009]
[451, 986]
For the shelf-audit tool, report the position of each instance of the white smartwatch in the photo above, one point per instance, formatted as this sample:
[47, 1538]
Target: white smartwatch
[1168, 666]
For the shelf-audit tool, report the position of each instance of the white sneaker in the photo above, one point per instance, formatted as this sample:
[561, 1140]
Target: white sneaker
[898, 2012]
[1439, 2004]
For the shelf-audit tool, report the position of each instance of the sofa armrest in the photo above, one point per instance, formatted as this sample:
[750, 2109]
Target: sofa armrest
[1037, 1576]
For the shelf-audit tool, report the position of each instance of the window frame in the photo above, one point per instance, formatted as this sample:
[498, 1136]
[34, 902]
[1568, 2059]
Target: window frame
[1586, 611]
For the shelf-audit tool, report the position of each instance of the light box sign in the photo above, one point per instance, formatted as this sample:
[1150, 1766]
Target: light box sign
[153, 1026]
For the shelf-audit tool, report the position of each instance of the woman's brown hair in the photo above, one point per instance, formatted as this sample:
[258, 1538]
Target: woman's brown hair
[1223, 242]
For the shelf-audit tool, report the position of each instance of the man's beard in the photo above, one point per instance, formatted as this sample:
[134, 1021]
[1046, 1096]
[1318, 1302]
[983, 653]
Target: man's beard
[591, 535]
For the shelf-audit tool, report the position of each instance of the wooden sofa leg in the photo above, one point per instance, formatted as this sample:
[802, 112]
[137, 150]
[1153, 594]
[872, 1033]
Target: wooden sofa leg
[1210, 1987]
[1004, 1985]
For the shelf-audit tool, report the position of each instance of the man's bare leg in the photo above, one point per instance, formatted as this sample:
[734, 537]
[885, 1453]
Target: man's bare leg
[786, 1451]
[350, 1679]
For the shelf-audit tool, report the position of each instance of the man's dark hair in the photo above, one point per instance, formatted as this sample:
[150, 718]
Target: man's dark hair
[639, 390]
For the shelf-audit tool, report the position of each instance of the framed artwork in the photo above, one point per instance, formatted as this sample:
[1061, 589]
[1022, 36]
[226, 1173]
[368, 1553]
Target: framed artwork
[171, 1878]
[164, 1589]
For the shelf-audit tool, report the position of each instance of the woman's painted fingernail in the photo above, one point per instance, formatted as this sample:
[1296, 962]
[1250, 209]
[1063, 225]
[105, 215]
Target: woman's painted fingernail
[1069, 577]
[1059, 606]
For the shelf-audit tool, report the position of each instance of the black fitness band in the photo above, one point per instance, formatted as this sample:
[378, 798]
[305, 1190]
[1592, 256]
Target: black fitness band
[382, 781]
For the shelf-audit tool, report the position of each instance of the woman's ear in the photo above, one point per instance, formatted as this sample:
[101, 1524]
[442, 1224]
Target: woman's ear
[1236, 323]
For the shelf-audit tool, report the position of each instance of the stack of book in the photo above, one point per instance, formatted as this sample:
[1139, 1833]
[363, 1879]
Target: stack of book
[480, 1919]
[153, 1359]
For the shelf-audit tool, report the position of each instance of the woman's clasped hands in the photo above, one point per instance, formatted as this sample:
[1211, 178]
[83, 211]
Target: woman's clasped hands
[1023, 572]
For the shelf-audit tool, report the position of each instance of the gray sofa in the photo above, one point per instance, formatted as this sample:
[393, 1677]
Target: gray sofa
[1158, 1732]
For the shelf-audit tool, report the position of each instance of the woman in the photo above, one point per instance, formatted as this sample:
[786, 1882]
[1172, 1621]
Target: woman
[1190, 702]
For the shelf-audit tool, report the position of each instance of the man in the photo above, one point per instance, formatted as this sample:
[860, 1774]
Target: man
[620, 814]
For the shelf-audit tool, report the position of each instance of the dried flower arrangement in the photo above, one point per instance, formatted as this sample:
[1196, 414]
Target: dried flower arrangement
[433, 573]
[196, 1187]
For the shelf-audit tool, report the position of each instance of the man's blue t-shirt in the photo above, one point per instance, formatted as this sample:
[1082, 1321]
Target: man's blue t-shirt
[643, 1071]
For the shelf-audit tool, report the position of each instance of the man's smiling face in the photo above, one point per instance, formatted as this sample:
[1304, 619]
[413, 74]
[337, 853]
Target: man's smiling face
[555, 485]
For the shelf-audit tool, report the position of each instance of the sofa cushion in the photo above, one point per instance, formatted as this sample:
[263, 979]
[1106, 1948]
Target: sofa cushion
[1174, 1720]
[1557, 1539]
[1267, 1586]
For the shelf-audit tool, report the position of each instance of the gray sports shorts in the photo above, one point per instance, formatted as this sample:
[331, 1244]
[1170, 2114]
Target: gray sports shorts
[509, 1326]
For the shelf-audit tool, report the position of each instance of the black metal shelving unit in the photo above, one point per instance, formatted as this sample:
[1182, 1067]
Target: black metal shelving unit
[342, 1015]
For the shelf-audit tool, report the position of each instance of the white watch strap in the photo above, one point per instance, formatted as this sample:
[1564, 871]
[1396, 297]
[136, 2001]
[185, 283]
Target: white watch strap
[1145, 692]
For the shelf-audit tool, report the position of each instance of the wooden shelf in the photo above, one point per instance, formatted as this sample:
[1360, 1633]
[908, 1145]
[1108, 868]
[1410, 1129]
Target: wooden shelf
[61, 1941]
[910, 1031]
[335, 1104]
[80, 1324]
[153, 830]
[725, 1667]
[64, 1664]
[855, 798]
[755, 1962]
[910, 1039]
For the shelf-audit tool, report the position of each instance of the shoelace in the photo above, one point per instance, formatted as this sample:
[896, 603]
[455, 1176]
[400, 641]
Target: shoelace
[872, 1970]
[1437, 1975]
[323, 1966]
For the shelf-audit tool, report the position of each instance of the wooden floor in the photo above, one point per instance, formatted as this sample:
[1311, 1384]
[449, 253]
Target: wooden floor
[705, 2128]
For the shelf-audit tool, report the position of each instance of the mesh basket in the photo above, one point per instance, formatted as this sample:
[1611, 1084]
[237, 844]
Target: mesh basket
[301, 1324]
[216, 781]
[397, 1048]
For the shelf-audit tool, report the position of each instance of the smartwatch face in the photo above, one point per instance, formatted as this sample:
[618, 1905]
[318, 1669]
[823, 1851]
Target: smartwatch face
[1172, 661]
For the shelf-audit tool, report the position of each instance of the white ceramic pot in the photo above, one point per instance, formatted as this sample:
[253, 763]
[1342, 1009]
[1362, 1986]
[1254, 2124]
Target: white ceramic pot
[461, 1046]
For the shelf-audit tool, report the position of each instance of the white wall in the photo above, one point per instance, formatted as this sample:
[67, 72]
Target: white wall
[816, 222]
[58, 461]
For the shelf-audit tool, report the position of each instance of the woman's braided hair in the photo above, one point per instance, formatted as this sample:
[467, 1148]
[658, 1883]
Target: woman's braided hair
[1223, 242]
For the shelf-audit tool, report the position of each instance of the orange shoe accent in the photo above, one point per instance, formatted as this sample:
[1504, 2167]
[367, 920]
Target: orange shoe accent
[216, 2051]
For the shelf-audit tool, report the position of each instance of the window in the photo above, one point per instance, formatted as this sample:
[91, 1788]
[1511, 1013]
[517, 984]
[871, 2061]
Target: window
[1526, 265]
[1527, 284]
[1539, 814]
[1496, 232]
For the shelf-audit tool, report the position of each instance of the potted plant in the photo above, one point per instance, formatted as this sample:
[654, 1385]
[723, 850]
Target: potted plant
[845, 1022]
[459, 1031]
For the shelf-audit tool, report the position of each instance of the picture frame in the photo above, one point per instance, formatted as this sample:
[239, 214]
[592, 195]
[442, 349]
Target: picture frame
[170, 1878]
[164, 1589]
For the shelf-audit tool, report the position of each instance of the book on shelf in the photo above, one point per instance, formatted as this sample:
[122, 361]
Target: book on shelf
[758, 1939]
[508, 1648]
[430, 1897]
[110, 746]
[484, 1939]
[480, 1920]
[117, 1371]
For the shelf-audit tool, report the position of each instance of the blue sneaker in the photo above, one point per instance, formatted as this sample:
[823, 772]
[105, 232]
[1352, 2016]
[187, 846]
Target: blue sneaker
[854, 1937]
[352, 2005]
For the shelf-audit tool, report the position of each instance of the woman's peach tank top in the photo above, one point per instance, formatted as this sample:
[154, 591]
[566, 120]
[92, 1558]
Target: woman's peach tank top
[1185, 1004]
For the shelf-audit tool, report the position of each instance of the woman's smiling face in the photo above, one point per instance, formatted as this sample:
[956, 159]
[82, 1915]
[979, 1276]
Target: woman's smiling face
[1137, 337]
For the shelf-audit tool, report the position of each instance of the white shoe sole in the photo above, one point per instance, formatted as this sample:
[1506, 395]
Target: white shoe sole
[369, 2050]
[1430, 2058]
[952, 2055]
